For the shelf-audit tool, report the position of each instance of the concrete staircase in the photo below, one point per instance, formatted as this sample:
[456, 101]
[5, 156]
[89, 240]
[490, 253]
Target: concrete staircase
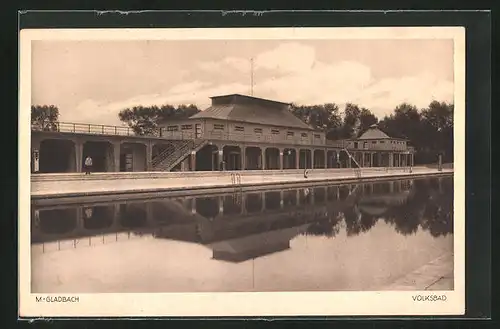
[171, 157]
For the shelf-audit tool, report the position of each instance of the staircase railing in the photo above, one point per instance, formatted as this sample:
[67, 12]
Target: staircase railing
[167, 152]
[170, 159]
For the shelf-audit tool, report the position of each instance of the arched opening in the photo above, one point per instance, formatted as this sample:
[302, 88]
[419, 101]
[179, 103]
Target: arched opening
[207, 207]
[331, 159]
[290, 198]
[368, 162]
[273, 200]
[57, 221]
[331, 193]
[375, 158]
[101, 154]
[57, 156]
[305, 159]
[404, 160]
[343, 192]
[319, 159]
[97, 218]
[133, 215]
[319, 195]
[253, 156]
[166, 212]
[358, 156]
[272, 158]
[289, 156]
[232, 204]
[232, 157]
[344, 159]
[305, 196]
[207, 158]
[253, 202]
[384, 160]
[133, 157]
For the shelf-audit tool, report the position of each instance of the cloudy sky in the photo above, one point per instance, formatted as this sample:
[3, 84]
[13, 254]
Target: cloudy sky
[91, 81]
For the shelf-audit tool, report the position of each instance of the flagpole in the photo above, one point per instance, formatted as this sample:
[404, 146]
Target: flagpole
[251, 76]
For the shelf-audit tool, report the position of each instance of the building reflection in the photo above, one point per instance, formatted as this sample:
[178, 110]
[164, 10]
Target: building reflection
[241, 226]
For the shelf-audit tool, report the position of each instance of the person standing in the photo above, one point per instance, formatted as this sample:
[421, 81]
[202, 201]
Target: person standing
[88, 165]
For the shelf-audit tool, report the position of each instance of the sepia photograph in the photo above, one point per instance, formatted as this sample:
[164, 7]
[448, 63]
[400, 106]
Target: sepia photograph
[255, 171]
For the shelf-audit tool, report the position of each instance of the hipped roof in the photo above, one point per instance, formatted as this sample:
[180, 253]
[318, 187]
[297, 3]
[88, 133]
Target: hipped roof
[251, 110]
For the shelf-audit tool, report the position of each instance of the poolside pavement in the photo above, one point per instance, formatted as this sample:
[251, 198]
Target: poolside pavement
[52, 185]
[435, 275]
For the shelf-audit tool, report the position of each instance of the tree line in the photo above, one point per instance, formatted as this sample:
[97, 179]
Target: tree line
[429, 130]
[426, 208]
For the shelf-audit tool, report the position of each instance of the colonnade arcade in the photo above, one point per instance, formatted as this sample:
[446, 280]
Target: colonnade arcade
[108, 155]
[252, 157]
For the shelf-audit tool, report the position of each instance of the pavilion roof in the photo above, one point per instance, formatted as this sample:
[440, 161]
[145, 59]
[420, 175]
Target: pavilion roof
[249, 109]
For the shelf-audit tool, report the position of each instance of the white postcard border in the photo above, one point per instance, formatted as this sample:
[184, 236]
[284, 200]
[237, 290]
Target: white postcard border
[243, 304]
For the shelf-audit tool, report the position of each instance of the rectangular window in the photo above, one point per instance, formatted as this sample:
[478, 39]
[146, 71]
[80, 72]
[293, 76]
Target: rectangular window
[239, 128]
[187, 127]
[218, 127]
[275, 131]
[382, 142]
[258, 130]
[172, 128]
[289, 133]
[317, 136]
[303, 135]
[374, 142]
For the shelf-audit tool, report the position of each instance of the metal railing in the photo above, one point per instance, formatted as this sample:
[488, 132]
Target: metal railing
[263, 138]
[170, 158]
[90, 128]
[235, 178]
[377, 147]
[161, 132]
[167, 152]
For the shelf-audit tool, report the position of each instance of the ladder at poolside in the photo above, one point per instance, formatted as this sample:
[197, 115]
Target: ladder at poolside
[357, 170]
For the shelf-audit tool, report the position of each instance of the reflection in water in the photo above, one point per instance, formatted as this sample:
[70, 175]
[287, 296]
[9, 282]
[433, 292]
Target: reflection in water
[241, 226]
[96, 218]
[254, 202]
[133, 215]
[406, 205]
[56, 221]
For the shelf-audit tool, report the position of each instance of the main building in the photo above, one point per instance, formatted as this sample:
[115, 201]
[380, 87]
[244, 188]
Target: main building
[237, 132]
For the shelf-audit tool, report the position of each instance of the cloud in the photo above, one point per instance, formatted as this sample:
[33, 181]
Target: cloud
[289, 57]
[229, 63]
[91, 111]
[418, 90]
[188, 87]
[323, 83]
[289, 73]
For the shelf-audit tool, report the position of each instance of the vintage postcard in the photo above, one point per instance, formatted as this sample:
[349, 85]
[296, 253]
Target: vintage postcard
[242, 172]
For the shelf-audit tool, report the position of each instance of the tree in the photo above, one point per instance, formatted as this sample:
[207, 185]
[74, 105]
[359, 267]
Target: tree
[367, 119]
[437, 121]
[145, 120]
[429, 130]
[403, 123]
[324, 117]
[44, 117]
[317, 116]
[142, 120]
